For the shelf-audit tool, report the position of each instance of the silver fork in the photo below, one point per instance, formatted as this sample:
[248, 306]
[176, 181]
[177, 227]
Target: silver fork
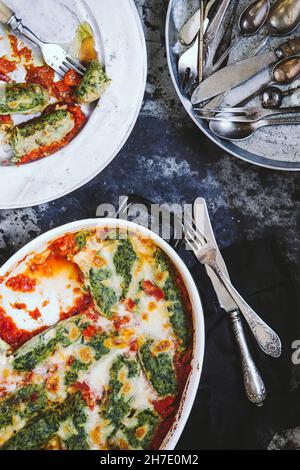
[54, 55]
[251, 114]
[206, 253]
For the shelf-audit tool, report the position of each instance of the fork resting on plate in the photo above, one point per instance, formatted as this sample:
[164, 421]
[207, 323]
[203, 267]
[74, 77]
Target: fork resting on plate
[54, 55]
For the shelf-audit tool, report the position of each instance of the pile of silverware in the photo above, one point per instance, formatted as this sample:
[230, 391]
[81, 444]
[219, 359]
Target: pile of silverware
[208, 82]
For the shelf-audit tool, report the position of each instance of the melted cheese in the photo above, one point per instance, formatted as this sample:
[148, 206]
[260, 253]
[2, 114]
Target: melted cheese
[97, 377]
[56, 292]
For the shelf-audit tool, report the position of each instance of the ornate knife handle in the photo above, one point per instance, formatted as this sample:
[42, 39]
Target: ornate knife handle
[266, 338]
[5, 13]
[254, 385]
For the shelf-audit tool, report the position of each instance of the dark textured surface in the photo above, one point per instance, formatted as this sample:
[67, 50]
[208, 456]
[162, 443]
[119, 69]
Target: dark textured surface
[168, 160]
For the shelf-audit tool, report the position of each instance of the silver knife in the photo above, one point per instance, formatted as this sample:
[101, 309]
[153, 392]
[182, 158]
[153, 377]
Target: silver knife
[235, 74]
[254, 386]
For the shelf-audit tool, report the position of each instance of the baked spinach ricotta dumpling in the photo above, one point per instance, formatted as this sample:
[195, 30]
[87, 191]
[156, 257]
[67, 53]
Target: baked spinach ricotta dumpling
[45, 134]
[40, 132]
[22, 98]
[111, 377]
[93, 85]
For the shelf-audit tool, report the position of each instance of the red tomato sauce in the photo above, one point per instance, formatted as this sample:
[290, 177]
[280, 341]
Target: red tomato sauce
[44, 151]
[19, 53]
[129, 305]
[6, 67]
[64, 246]
[49, 266]
[21, 283]
[90, 331]
[152, 290]
[86, 394]
[11, 334]
[35, 314]
[19, 306]
[165, 407]
[44, 75]
[6, 121]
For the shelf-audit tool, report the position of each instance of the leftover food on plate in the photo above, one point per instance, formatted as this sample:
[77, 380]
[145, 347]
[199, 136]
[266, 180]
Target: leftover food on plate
[47, 132]
[96, 345]
[93, 85]
[22, 98]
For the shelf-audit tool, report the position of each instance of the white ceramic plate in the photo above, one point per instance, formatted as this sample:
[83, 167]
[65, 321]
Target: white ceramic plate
[120, 39]
[191, 388]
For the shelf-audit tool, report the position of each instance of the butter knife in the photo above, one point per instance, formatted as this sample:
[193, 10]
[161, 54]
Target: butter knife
[254, 385]
[238, 73]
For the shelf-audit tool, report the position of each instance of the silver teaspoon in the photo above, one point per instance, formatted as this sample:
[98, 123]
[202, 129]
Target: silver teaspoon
[251, 21]
[272, 97]
[229, 129]
[283, 19]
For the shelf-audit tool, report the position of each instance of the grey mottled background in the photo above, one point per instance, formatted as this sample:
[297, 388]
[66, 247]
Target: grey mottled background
[167, 159]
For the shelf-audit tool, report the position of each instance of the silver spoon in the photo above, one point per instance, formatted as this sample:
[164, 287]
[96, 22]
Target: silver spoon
[272, 97]
[231, 130]
[284, 72]
[283, 19]
[251, 21]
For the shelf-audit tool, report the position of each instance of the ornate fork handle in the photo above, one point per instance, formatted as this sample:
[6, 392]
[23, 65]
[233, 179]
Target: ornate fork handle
[17, 25]
[265, 336]
[254, 385]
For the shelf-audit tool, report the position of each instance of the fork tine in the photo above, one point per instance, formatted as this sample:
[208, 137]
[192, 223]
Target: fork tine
[70, 66]
[196, 232]
[76, 64]
[64, 69]
[189, 223]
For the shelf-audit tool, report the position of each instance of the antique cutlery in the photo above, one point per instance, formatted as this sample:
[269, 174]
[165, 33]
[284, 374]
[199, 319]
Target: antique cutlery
[188, 61]
[54, 55]
[190, 29]
[254, 386]
[214, 35]
[238, 73]
[284, 73]
[232, 130]
[251, 21]
[283, 19]
[266, 338]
